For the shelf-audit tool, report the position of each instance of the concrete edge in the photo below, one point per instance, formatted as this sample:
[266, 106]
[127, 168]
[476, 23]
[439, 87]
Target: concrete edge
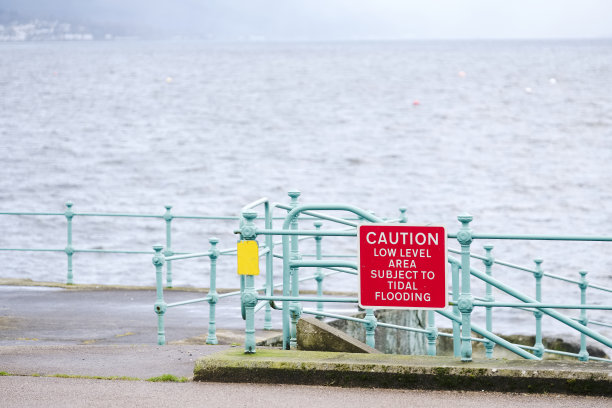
[404, 372]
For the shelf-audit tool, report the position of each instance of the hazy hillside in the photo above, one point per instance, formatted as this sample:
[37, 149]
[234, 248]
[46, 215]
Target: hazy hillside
[329, 19]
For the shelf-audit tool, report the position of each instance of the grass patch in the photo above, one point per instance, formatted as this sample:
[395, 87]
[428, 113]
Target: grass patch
[3, 373]
[168, 378]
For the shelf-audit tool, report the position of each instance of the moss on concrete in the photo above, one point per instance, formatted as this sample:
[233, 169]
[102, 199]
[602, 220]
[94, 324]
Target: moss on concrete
[94, 377]
[87, 377]
[394, 371]
[168, 378]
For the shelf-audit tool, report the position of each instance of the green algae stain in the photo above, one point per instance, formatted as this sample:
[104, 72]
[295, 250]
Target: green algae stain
[168, 378]
[90, 377]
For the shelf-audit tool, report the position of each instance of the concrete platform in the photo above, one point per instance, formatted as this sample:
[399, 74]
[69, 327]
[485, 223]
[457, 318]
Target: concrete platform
[405, 372]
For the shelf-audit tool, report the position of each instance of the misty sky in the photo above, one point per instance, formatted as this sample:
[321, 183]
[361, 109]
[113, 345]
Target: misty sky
[340, 19]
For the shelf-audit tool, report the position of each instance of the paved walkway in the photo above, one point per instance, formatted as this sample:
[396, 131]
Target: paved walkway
[37, 315]
[45, 332]
[59, 392]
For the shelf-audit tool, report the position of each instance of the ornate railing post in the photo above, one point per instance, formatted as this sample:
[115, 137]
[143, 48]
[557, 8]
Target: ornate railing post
[584, 354]
[456, 325]
[432, 333]
[403, 219]
[466, 301]
[370, 327]
[269, 267]
[319, 276]
[69, 249]
[160, 306]
[489, 345]
[295, 309]
[213, 297]
[168, 252]
[249, 295]
[539, 346]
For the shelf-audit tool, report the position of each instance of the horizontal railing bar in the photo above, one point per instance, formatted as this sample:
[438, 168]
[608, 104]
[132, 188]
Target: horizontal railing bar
[475, 297]
[305, 278]
[472, 255]
[333, 268]
[542, 237]
[550, 275]
[552, 313]
[493, 337]
[600, 359]
[279, 256]
[255, 203]
[314, 233]
[187, 302]
[522, 268]
[191, 217]
[405, 328]
[32, 250]
[117, 215]
[207, 217]
[308, 299]
[562, 353]
[590, 285]
[237, 292]
[322, 264]
[558, 277]
[112, 251]
[510, 265]
[309, 218]
[340, 270]
[597, 323]
[30, 213]
[442, 334]
[319, 215]
[538, 305]
[328, 256]
[334, 316]
[187, 256]
[526, 347]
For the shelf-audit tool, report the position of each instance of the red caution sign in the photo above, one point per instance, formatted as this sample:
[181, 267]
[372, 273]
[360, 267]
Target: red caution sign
[402, 266]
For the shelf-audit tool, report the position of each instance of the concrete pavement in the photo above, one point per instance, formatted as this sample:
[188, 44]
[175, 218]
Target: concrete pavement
[33, 392]
[102, 332]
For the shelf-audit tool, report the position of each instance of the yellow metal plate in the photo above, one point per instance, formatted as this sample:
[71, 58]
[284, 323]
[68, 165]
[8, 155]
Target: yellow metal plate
[248, 258]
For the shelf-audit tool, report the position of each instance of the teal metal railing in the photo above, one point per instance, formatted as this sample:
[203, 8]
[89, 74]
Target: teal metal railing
[293, 260]
[463, 302]
[70, 250]
[267, 289]
[69, 214]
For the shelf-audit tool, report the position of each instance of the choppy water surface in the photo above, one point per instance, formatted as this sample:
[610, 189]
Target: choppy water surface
[519, 134]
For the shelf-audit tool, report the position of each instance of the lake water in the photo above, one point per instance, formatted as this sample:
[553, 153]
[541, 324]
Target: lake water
[519, 134]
